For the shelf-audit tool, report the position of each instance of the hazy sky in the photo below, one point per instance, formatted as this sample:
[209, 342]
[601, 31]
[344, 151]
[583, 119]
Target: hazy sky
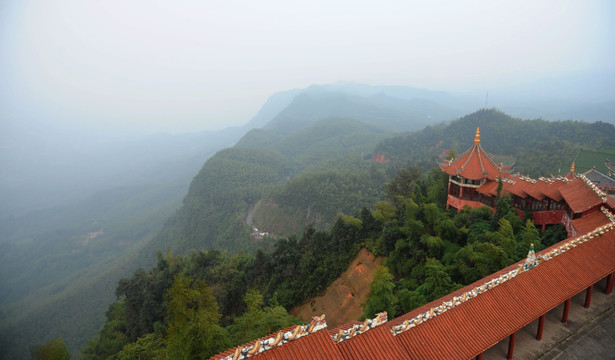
[193, 65]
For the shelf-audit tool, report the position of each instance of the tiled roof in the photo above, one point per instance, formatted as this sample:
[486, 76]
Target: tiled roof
[377, 343]
[536, 190]
[589, 222]
[318, 345]
[601, 180]
[579, 196]
[552, 191]
[463, 326]
[474, 164]
[489, 188]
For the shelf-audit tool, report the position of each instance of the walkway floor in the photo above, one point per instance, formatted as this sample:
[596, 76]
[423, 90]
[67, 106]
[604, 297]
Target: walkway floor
[589, 333]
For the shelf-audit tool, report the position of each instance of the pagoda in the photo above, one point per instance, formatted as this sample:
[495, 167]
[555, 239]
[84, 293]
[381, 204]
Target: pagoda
[468, 172]
[476, 179]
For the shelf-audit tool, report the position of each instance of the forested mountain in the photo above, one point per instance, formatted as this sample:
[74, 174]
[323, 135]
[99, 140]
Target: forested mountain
[59, 264]
[310, 160]
[234, 180]
[535, 147]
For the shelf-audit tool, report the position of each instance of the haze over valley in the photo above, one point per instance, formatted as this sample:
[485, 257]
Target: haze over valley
[135, 132]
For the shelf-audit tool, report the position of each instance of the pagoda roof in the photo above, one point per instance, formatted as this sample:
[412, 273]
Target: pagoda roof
[475, 163]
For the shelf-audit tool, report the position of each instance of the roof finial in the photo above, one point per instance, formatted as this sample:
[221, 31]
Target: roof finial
[477, 136]
[572, 168]
[530, 261]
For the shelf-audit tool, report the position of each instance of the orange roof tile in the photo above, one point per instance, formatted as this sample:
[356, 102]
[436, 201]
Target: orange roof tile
[318, 345]
[552, 191]
[377, 343]
[489, 188]
[517, 187]
[589, 222]
[536, 190]
[474, 164]
[579, 196]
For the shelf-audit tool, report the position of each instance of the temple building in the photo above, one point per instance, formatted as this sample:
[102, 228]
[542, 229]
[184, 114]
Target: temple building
[467, 322]
[475, 179]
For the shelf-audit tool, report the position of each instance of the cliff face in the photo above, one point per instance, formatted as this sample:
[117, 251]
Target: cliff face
[344, 298]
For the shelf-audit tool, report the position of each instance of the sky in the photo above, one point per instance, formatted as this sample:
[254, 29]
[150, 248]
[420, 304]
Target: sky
[176, 66]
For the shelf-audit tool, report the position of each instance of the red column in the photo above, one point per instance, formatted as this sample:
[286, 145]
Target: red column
[511, 345]
[541, 326]
[609, 284]
[566, 310]
[448, 192]
[588, 296]
[479, 356]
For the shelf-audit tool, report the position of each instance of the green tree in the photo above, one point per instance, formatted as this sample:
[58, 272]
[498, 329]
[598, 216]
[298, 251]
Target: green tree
[381, 296]
[54, 350]
[437, 282]
[402, 186]
[505, 238]
[258, 320]
[193, 330]
[528, 236]
[150, 346]
[112, 338]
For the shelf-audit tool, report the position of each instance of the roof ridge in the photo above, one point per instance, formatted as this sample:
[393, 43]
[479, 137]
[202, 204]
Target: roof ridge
[468, 159]
[263, 344]
[358, 329]
[591, 185]
[490, 158]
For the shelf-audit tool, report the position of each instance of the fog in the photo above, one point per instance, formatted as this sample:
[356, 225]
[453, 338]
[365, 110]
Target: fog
[77, 76]
[159, 66]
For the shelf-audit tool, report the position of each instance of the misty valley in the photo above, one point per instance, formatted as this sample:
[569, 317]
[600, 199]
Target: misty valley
[108, 244]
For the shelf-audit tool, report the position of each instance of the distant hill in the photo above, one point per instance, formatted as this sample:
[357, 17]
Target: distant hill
[534, 147]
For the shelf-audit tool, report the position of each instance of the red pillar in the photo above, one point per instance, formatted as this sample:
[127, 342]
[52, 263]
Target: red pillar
[479, 356]
[609, 284]
[588, 296]
[566, 310]
[541, 326]
[511, 345]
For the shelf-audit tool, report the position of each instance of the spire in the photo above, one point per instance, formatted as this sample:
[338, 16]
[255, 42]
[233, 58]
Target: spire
[572, 168]
[477, 136]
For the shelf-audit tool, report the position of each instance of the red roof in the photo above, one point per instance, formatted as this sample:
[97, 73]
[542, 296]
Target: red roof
[589, 222]
[579, 196]
[536, 189]
[318, 345]
[489, 188]
[552, 191]
[474, 163]
[377, 343]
